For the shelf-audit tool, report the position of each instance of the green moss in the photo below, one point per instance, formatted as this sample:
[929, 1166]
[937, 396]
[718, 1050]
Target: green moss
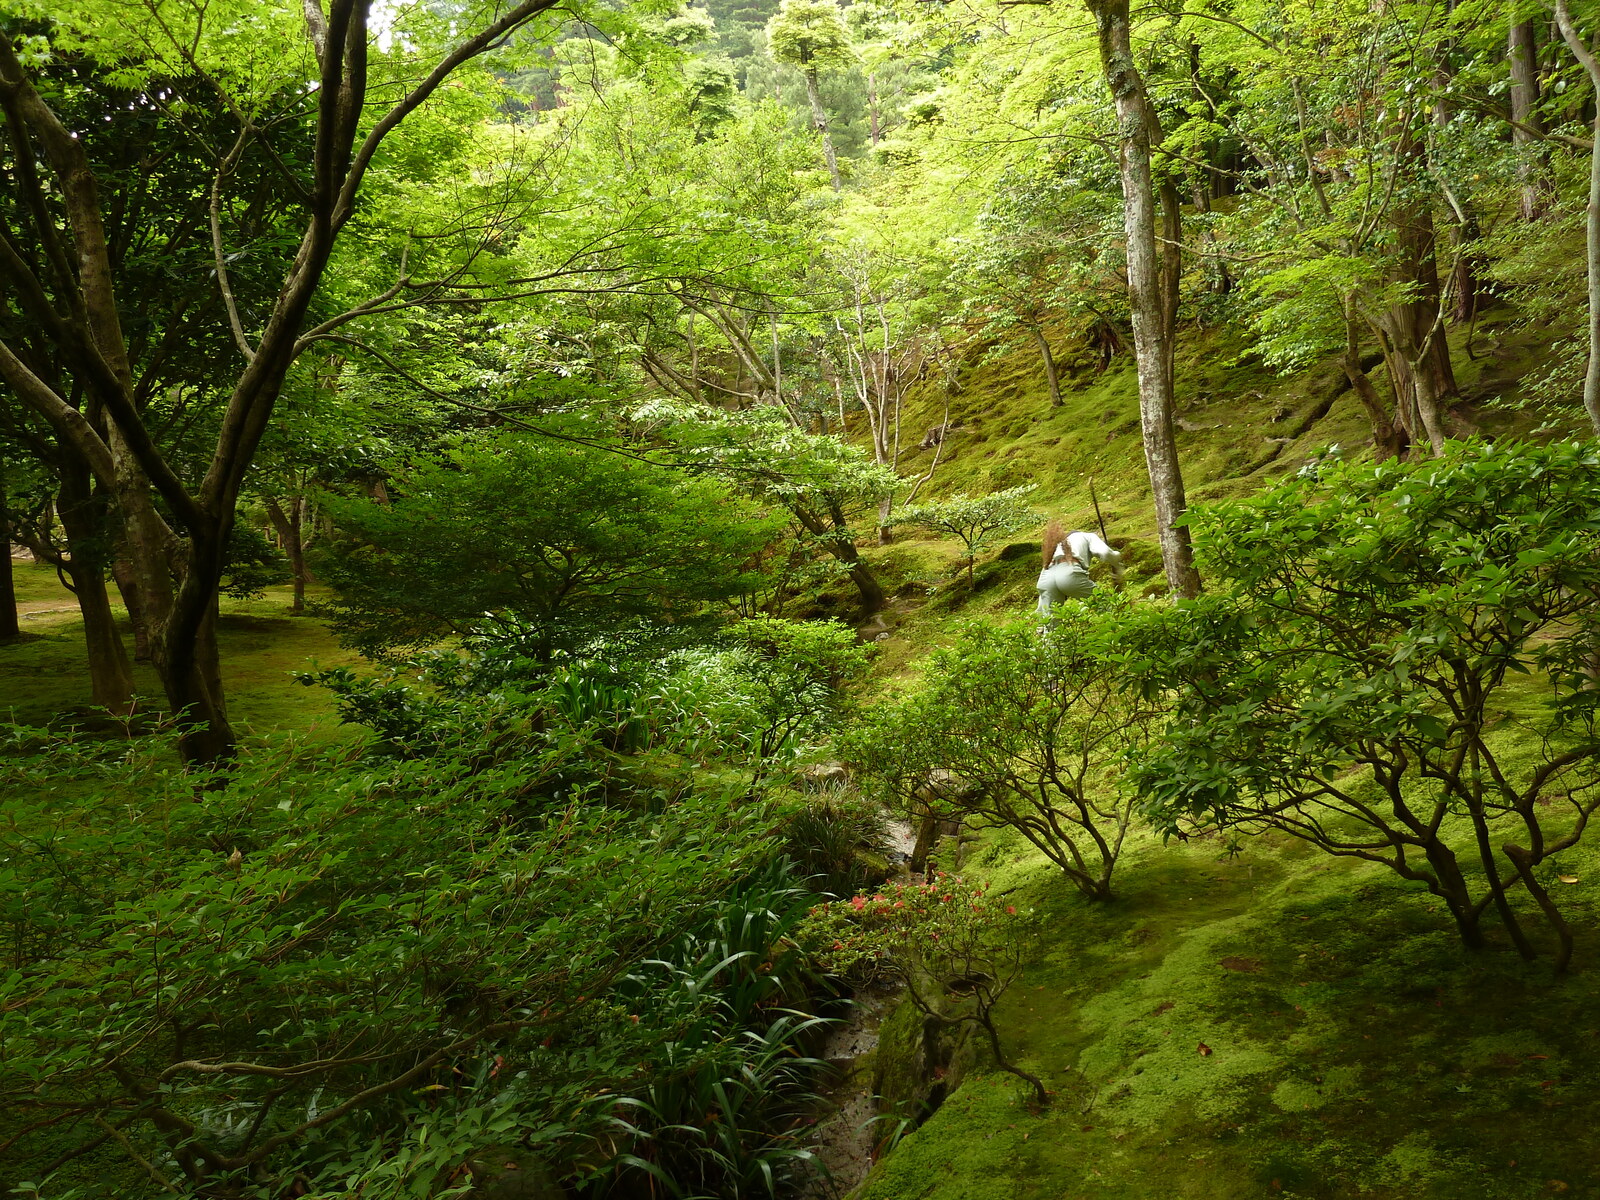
[43, 674]
[1355, 1048]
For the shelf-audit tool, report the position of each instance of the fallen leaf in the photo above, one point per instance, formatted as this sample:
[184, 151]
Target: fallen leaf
[1557, 1185]
[1567, 878]
[1204, 1049]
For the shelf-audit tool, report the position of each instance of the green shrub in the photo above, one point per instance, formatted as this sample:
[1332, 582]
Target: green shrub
[1395, 663]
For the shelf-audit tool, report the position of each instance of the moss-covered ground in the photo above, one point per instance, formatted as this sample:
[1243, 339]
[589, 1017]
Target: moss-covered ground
[1241, 426]
[1355, 1049]
[43, 676]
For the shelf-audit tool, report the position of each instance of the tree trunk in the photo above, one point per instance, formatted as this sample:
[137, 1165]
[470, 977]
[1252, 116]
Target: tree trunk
[1050, 376]
[1522, 55]
[927, 834]
[839, 544]
[1591, 379]
[874, 118]
[1414, 326]
[819, 119]
[184, 652]
[1041, 1097]
[128, 586]
[1388, 440]
[1525, 862]
[9, 625]
[1152, 309]
[290, 528]
[110, 674]
[127, 463]
[144, 565]
[1452, 889]
[1467, 261]
[873, 598]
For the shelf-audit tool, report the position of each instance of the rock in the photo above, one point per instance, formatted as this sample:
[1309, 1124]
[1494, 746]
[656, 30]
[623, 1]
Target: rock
[824, 776]
[874, 630]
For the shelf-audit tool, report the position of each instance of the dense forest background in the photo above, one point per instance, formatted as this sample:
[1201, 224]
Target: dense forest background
[518, 641]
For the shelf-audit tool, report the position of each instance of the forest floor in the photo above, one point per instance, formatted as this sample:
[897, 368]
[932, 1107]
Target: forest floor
[1356, 1049]
[43, 676]
[1279, 1023]
[1272, 1024]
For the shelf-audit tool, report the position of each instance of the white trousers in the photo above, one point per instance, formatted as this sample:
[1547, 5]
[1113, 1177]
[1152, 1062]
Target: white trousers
[1062, 581]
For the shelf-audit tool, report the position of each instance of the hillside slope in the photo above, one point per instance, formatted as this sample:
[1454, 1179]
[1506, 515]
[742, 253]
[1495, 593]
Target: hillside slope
[1241, 427]
[1271, 1023]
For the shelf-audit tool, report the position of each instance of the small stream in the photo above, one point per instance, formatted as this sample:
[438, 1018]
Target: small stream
[846, 1139]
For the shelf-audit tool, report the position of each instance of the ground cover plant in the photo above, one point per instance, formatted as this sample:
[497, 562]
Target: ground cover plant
[1354, 1048]
[555, 940]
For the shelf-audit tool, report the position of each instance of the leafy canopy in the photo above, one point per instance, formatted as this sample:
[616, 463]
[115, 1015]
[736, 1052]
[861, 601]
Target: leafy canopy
[546, 531]
[811, 35]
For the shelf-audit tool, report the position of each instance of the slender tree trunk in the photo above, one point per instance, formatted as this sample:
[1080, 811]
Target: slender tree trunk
[183, 645]
[819, 119]
[1522, 56]
[1050, 376]
[9, 624]
[290, 528]
[1414, 325]
[1041, 1097]
[1591, 380]
[874, 117]
[1466, 283]
[185, 652]
[838, 543]
[1200, 188]
[1525, 862]
[128, 587]
[144, 565]
[1453, 891]
[110, 674]
[1388, 441]
[1497, 887]
[1152, 310]
[927, 833]
[1466, 260]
